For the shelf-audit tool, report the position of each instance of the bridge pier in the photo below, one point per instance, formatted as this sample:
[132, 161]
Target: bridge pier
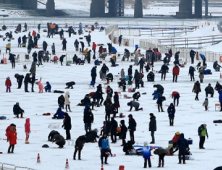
[185, 9]
[198, 8]
[97, 8]
[50, 8]
[138, 9]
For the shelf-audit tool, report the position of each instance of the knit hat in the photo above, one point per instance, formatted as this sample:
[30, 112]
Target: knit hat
[177, 133]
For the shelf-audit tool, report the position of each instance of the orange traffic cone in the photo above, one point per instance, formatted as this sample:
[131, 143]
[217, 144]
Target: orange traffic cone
[102, 167]
[67, 164]
[38, 158]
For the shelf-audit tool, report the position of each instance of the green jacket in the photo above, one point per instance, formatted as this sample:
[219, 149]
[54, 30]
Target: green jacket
[202, 131]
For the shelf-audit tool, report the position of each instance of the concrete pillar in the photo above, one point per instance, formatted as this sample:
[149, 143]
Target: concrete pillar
[50, 8]
[185, 9]
[198, 8]
[112, 8]
[206, 8]
[97, 8]
[138, 9]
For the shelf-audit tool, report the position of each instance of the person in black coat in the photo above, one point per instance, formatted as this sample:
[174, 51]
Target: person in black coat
[132, 127]
[113, 129]
[152, 127]
[209, 90]
[19, 79]
[150, 76]
[93, 74]
[160, 103]
[45, 45]
[216, 66]
[88, 39]
[192, 54]
[51, 134]
[182, 145]
[136, 96]
[33, 81]
[18, 110]
[34, 55]
[88, 118]
[130, 70]
[99, 95]
[67, 125]
[123, 132]
[26, 81]
[218, 87]
[171, 113]
[92, 135]
[85, 101]
[61, 101]
[82, 46]
[104, 70]
[109, 91]
[80, 141]
[191, 73]
[164, 70]
[141, 62]
[120, 39]
[12, 59]
[137, 79]
[62, 58]
[76, 44]
[64, 44]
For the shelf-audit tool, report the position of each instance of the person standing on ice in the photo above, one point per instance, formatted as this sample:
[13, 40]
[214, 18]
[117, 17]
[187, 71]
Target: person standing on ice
[67, 125]
[205, 104]
[197, 89]
[132, 127]
[8, 84]
[171, 113]
[80, 141]
[12, 139]
[104, 148]
[152, 127]
[27, 130]
[146, 155]
[120, 39]
[176, 71]
[182, 145]
[202, 132]
[67, 101]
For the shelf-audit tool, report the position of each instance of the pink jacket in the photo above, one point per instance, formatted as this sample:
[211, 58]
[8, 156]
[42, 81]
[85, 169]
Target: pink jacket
[27, 126]
[40, 84]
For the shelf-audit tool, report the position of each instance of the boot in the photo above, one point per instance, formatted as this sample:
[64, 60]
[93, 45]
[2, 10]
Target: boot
[162, 164]
[159, 165]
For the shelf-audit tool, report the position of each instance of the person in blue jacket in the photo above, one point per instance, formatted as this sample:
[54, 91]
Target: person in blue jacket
[59, 114]
[182, 145]
[104, 148]
[47, 87]
[220, 99]
[146, 155]
[171, 113]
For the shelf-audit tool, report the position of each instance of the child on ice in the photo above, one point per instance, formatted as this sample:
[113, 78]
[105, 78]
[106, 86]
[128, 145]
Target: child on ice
[47, 87]
[205, 104]
[8, 84]
[27, 130]
[40, 86]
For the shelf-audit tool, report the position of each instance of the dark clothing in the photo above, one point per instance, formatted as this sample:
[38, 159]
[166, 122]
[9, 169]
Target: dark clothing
[132, 128]
[182, 145]
[61, 101]
[113, 130]
[17, 110]
[80, 141]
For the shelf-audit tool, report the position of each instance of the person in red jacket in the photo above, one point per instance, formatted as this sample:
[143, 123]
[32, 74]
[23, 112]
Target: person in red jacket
[12, 139]
[27, 130]
[8, 129]
[176, 71]
[175, 95]
[8, 84]
[94, 47]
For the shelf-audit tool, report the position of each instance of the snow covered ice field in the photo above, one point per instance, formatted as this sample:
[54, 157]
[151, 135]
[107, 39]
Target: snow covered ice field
[190, 114]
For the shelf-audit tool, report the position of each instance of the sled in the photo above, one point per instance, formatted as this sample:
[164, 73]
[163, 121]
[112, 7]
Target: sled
[217, 121]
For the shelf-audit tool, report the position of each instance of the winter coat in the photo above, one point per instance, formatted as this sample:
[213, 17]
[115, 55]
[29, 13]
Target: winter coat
[141, 62]
[130, 71]
[136, 95]
[17, 109]
[93, 72]
[61, 100]
[12, 137]
[59, 139]
[205, 103]
[67, 101]
[196, 87]
[202, 131]
[114, 125]
[103, 143]
[218, 87]
[132, 124]
[27, 125]
[220, 96]
[104, 69]
[152, 124]
[209, 89]
[88, 116]
[108, 104]
[182, 142]
[133, 104]
[33, 68]
[191, 70]
[175, 94]
[160, 151]
[201, 73]
[60, 113]
[8, 82]
[176, 70]
[67, 122]
[171, 111]
[176, 137]
[40, 84]
[116, 100]
[122, 74]
[94, 46]
[137, 76]
[136, 55]
[123, 129]
[80, 141]
[99, 93]
[160, 100]
[91, 136]
[146, 152]
[164, 68]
